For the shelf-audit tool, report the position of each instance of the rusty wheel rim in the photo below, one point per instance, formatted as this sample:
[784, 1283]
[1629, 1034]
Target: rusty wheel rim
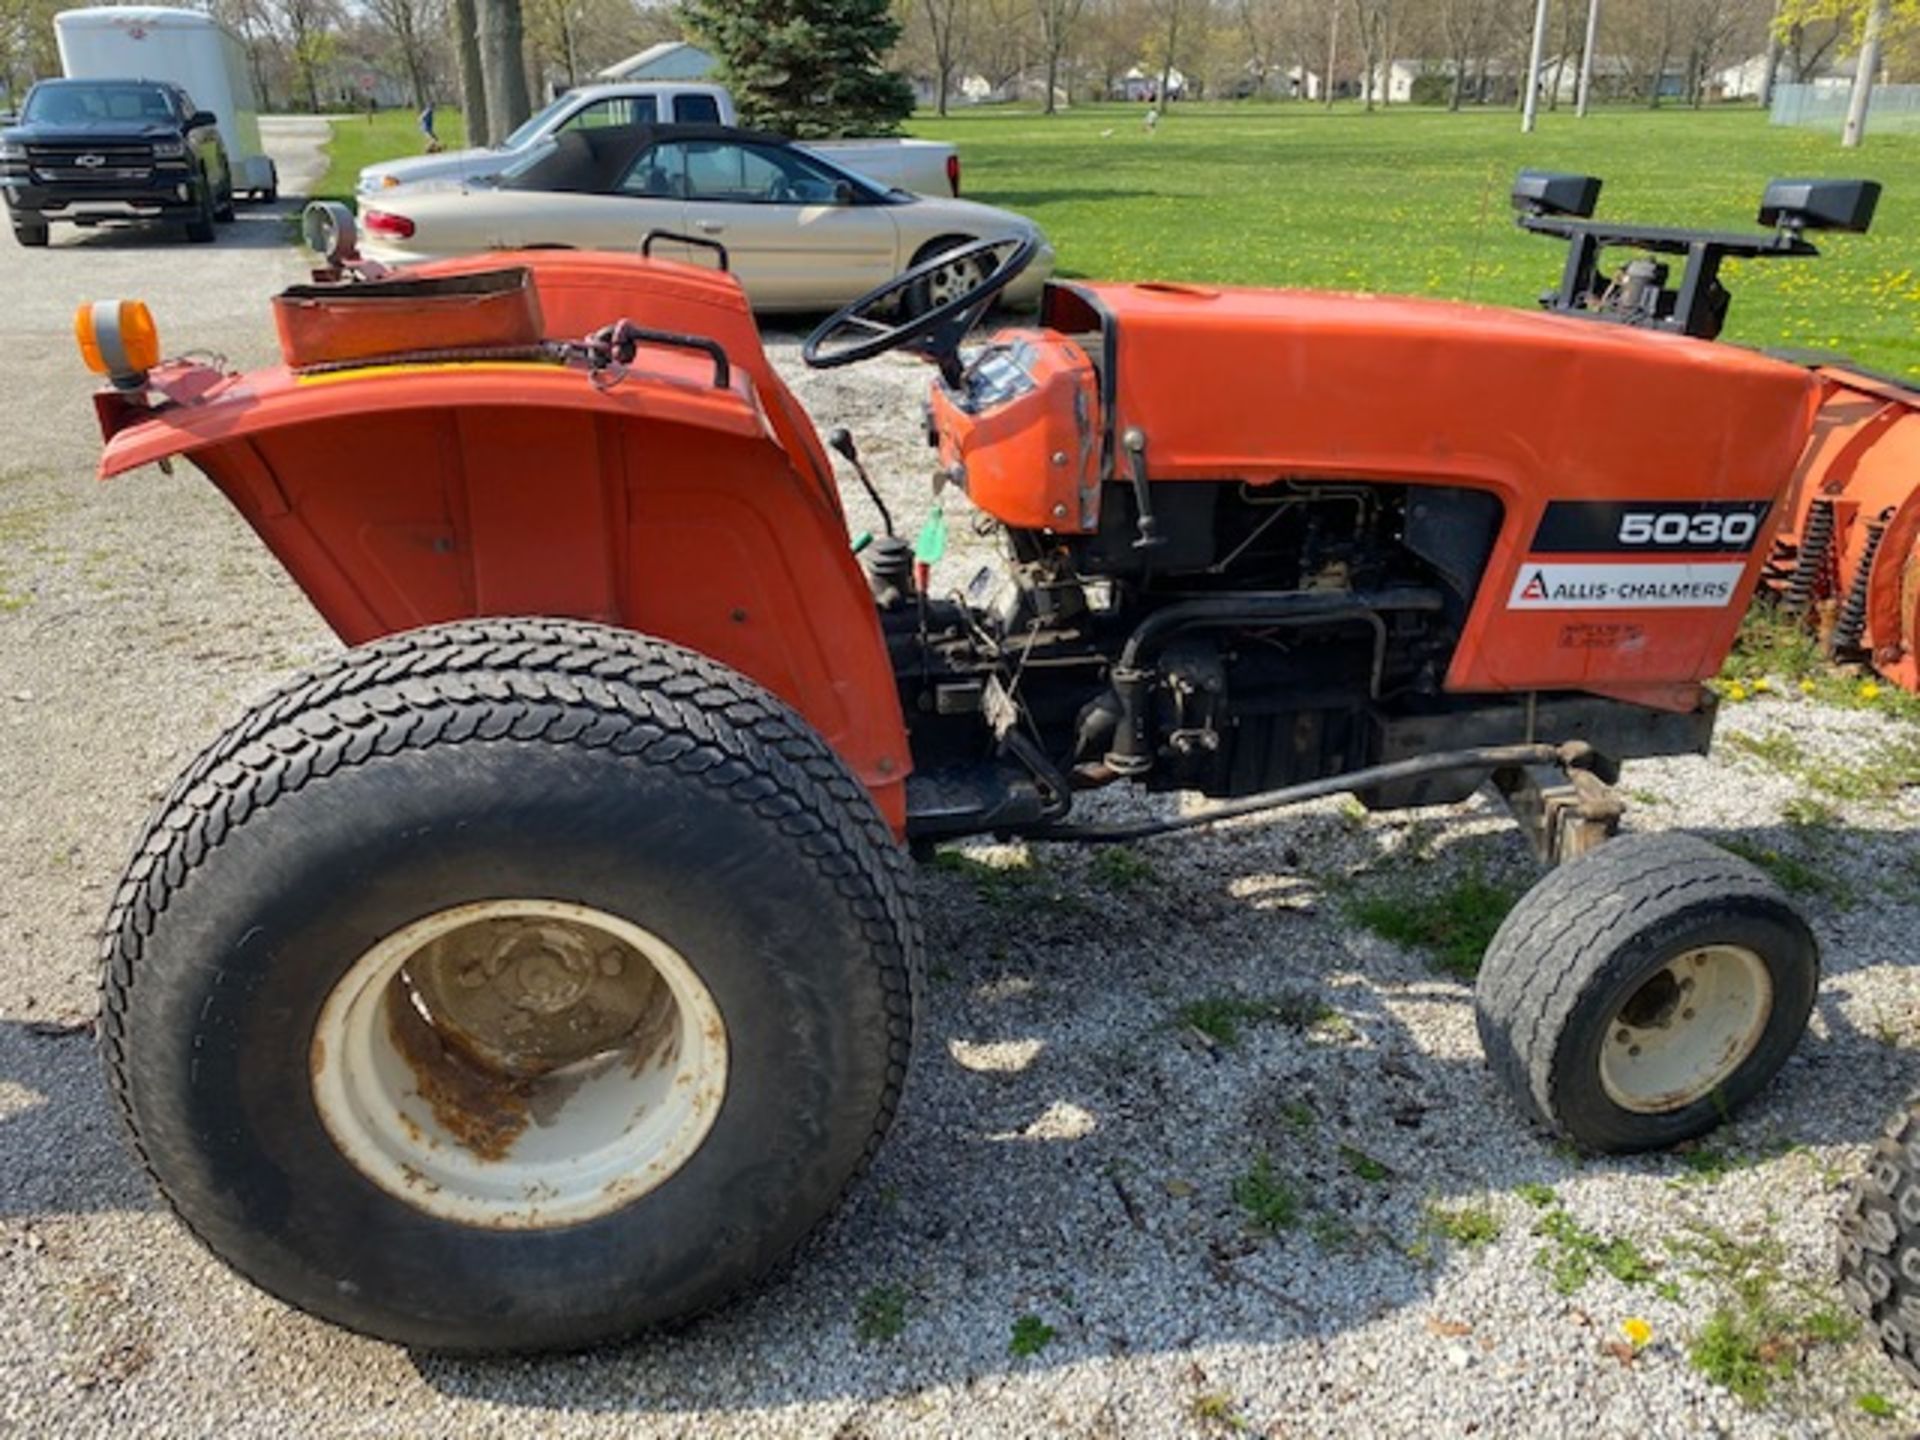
[1687, 1028]
[519, 1064]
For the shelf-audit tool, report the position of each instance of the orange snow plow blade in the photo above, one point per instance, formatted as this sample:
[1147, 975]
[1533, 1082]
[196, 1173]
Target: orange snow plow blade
[1848, 554]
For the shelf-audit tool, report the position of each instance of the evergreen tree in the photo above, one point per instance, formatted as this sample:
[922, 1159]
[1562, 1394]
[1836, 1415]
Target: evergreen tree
[806, 68]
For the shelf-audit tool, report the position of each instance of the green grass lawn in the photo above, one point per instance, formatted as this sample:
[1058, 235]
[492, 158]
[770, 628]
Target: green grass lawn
[1407, 200]
[1415, 201]
[388, 135]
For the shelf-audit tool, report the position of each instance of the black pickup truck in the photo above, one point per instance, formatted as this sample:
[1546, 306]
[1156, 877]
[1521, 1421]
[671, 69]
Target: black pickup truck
[96, 151]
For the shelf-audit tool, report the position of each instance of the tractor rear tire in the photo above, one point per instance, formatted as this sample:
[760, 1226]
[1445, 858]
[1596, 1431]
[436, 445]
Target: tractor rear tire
[1640, 994]
[1880, 1242]
[511, 985]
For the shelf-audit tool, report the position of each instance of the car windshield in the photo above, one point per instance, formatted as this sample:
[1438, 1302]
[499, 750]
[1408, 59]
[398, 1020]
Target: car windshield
[531, 127]
[520, 165]
[85, 103]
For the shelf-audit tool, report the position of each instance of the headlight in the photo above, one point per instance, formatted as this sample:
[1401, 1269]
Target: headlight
[169, 149]
[12, 150]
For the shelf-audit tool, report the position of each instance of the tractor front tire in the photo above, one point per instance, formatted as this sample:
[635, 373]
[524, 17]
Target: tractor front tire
[1640, 994]
[1880, 1242]
[511, 985]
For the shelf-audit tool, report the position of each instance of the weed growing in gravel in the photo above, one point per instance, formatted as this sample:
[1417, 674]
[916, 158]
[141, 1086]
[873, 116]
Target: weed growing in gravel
[1030, 1336]
[1364, 1165]
[880, 1314]
[1219, 1017]
[1020, 881]
[1331, 1232]
[1775, 749]
[1271, 1203]
[1299, 1117]
[1766, 1320]
[1804, 812]
[1887, 769]
[1574, 1253]
[1468, 1226]
[1217, 1412]
[1541, 1197]
[1791, 873]
[1454, 924]
[1706, 1164]
[1117, 868]
[1784, 647]
[1877, 1405]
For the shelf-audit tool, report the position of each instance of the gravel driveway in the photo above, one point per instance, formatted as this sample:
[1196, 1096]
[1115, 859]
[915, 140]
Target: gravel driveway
[1074, 1158]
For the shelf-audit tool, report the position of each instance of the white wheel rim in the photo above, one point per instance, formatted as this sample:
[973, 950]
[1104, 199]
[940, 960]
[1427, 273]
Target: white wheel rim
[1687, 1028]
[950, 282]
[519, 1064]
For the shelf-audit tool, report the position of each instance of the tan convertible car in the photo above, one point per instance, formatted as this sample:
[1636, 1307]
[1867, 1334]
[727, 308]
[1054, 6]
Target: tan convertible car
[801, 233]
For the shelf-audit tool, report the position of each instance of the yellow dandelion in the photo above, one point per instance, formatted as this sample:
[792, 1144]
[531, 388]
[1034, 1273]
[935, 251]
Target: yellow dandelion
[1806, 687]
[1763, 686]
[1736, 691]
[1869, 690]
[1637, 1331]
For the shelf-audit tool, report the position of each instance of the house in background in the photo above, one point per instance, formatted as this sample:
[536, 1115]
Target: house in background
[1393, 82]
[1139, 85]
[669, 60]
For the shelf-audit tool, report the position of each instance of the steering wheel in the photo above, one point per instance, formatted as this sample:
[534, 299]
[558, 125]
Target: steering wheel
[856, 332]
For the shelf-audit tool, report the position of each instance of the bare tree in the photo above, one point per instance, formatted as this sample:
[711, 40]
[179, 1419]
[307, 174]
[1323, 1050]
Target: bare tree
[473, 76]
[1469, 29]
[1176, 19]
[308, 29]
[946, 30]
[1058, 21]
[410, 23]
[503, 61]
[1374, 21]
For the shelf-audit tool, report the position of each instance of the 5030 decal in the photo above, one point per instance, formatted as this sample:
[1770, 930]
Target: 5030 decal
[1677, 527]
[1670, 527]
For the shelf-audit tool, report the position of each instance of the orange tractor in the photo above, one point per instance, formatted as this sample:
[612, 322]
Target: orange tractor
[545, 965]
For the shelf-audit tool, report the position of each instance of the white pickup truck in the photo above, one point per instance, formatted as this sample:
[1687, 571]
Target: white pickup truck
[924, 167]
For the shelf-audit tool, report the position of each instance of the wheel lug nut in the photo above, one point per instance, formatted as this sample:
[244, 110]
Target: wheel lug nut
[1686, 1014]
[473, 977]
[610, 963]
[1624, 1036]
[1633, 1050]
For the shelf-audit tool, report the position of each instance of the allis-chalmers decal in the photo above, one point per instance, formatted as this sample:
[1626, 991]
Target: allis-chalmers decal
[1547, 585]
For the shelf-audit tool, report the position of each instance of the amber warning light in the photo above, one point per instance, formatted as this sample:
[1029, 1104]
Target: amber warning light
[118, 339]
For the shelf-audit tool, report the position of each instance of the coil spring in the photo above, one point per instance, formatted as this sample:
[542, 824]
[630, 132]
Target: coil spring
[1815, 541]
[1852, 622]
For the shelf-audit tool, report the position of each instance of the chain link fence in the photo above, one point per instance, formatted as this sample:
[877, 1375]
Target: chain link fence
[1824, 107]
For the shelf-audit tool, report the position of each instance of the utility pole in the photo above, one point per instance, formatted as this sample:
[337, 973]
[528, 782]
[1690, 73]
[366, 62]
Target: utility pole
[1539, 54]
[1586, 58]
[1333, 53]
[1863, 76]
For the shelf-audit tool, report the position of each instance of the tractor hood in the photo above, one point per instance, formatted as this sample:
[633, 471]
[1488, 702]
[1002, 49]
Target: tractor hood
[1297, 383]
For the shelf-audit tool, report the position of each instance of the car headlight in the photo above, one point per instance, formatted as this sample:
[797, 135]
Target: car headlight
[12, 150]
[169, 149]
